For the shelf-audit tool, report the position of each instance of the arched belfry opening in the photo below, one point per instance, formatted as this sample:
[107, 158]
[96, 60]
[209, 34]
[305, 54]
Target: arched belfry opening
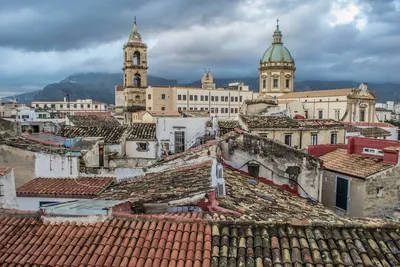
[137, 99]
[136, 58]
[137, 80]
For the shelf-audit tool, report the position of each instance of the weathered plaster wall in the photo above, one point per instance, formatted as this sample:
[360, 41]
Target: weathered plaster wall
[274, 160]
[22, 161]
[387, 185]
[8, 197]
[56, 166]
[129, 162]
[357, 194]
[91, 157]
[132, 152]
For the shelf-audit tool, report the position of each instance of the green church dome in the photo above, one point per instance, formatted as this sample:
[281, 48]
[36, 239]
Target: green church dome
[135, 35]
[277, 52]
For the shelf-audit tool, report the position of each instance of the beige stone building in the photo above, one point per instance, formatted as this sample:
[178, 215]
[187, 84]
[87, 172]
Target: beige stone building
[295, 133]
[277, 68]
[347, 105]
[71, 107]
[221, 102]
[135, 74]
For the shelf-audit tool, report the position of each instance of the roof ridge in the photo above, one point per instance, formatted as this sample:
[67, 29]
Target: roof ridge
[161, 217]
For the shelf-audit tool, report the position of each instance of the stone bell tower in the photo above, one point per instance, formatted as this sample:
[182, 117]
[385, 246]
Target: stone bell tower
[135, 74]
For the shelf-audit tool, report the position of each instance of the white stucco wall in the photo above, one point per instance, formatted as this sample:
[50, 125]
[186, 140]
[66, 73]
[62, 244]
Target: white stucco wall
[54, 166]
[132, 152]
[113, 148]
[192, 127]
[8, 200]
[32, 203]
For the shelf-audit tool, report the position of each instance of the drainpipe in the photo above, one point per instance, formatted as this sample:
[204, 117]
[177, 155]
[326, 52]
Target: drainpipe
[320, 185]
[301, 139]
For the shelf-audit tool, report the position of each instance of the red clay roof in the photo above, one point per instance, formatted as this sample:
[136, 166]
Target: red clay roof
[4, 170]
[120, 241]
[66, 187]
[354, 165]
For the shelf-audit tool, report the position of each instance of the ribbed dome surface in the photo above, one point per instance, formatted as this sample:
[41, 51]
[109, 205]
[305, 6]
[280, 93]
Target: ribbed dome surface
[277, 52]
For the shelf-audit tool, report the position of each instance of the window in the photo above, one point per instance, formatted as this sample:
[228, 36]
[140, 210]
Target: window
[362, 115]
[216, 98]
[162, 96]
[275, 83]
[226, 99]
[314, 139]
[212, 110]
[142, 146]
[96, 106]
[333, 138]
[206, 98]
[184, 108]
[264, 83]
[183, 97]
[194, 108]
[179, 97]
[306, 114]
[202, 98]
[232, 98]
[163, 108]
[337, 114]
[216, 110]
[320, 114]
[201, 108]
[342, 193]
[61, 106]
[226, 110]
[236, 110]
[88, 105]
[212, 98]
[288, 139]
[190, 108]
[179, 108]
[287, 83]
[236, 99]
[240, 98]
[206, 108]
[149, 97]
[222, 110]
[372, 151]
[82, 106]
[191, 97]
[254, 170]
[231, 110]
[37, 105]
[195, 97]
[222, 99]
[53, 105]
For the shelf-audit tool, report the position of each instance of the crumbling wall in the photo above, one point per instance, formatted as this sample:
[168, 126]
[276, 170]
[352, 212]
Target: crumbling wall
[382, 193]
[23, 163]
[279, 164]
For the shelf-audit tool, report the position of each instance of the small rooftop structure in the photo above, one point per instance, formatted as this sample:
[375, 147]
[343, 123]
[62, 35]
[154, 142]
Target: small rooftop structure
[112, 135]
[142, 131]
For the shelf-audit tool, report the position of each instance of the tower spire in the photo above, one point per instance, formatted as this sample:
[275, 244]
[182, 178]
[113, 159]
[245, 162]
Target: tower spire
[134, 25]
[277, 34]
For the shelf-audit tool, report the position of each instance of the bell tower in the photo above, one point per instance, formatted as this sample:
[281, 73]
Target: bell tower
[135, 74]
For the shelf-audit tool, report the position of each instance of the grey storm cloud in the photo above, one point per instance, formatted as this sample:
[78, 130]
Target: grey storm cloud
[44, 41]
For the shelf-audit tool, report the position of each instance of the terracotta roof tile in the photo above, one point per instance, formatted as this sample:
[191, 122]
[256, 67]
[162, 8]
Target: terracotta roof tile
[175, 184]
[142, 131]
[4, 170]
[354, 165]
[66, 187]
[110, 134]
[94, 121]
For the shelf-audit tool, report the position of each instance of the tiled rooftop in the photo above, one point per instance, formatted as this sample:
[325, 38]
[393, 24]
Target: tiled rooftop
[33, 146]
[163, 187]
[111, 134]
[371, 124]
[262, 202]
[94, 121]
[259, 101]
[320, 123]
[64, 187]
[374, 132]
[354, 165]
[142, 131]
[249, 245]
[226, 126]
[32, 240]
[195, 113]
[4, 170]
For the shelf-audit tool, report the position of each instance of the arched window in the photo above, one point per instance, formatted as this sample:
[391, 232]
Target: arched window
[137, 99]
[137, 80]
[136, 58]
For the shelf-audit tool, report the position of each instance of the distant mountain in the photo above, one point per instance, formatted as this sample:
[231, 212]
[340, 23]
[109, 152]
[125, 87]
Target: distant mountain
[100, 87]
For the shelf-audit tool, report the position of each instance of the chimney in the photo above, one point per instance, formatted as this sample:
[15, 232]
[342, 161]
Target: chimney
[350, 146]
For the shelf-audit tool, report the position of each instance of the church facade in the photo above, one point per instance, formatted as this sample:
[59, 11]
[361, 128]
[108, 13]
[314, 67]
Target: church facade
[277, 73]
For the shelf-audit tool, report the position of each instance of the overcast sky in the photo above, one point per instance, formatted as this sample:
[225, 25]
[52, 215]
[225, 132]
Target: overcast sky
[44, 41]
